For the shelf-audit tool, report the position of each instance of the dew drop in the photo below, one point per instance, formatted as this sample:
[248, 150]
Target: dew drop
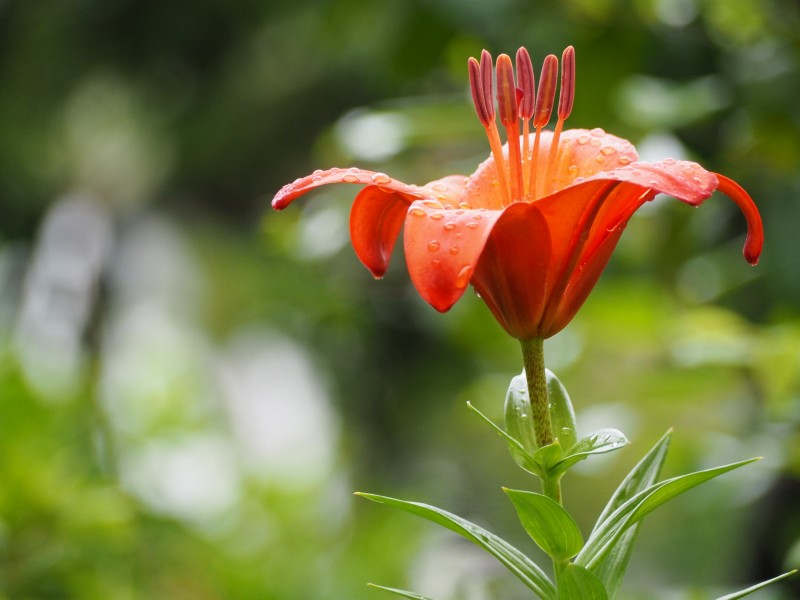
[354, 170]
[317, 172]
[437, 216]
[432, 204]
[472, 225]
[624, 160]
[433, 246]
[600, 158]
[439, 187]
[417, 212]
[697, 180]
[688, 170]
[349, 178]
[449, 226]
[453, 250]
[653, 182]
[436, 263]
[595, 143]
[477, 217]
[608, 150]
[573, 170]
[381, 178]
[464, 205]
[316, 179]
[669, 161]
[597, 132]
[462, 279]
[583, 140]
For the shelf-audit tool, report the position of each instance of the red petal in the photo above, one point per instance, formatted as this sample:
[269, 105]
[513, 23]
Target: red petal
[300, 186]
[512, 273]
[755, 229]
[375, 222]
[442, 247]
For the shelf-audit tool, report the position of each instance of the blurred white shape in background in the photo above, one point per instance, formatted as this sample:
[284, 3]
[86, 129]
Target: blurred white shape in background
[450, 568]
[279, 409]
[59, 294]
[373, 136]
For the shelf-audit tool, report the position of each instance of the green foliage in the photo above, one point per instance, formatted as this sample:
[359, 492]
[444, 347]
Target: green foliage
[548, 524]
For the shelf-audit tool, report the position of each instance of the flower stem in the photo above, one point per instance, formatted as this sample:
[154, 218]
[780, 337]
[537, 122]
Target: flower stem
[533, 360]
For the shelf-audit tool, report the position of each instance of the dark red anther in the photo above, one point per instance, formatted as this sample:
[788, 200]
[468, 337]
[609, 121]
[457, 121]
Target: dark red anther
[486, 77]
[526, 82]
[546, 94]
[567, 96]
[506, 91]
[476, 86]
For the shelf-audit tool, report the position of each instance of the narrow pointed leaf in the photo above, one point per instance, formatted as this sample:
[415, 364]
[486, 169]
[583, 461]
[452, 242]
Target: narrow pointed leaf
[611, 570]
[561, 412]
[578, 583]
[600, 442]
[606, 535]
[518, 452]
[397, 592]
[514, 560]
[546, 521]
[756, 587]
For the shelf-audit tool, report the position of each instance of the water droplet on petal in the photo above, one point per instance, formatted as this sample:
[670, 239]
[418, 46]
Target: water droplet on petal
[653, 182]
[597, 132]
[355, 170]
[464, 205]
[608, 150]
[472, 225]
[477, 217]
[697, 180]
[317, 172]
[688, 170]
[437, 216]
[316, 179]
[573, 170]
[595, 143]
[669, 161]
[381, 178]
[436, 263]
[439, 187]
[417, 212]
[433, 246]
[449, 226]
[583, 140]
[600, 158]
[624, 160]
[349, 178]
[462, 279]
[432, 204]
[453, 250]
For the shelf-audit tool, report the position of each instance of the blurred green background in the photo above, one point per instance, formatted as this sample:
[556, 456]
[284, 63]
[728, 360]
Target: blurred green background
[192, 386]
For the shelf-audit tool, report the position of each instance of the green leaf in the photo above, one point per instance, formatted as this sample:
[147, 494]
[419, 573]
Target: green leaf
[756, 587]
[578, 583]
[546, 521]
[562, 414]
[600, 442]
[547, 457]
[518, 451]
[397, 592]
[514, 560]
[611, 570]
[518, 418]
[607, 534]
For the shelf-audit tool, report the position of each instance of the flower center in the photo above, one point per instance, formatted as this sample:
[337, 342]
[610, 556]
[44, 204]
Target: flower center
[520, 102]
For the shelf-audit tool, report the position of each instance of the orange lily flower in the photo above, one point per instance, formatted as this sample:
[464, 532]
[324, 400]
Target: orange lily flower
[534, 226]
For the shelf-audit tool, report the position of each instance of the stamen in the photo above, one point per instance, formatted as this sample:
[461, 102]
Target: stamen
[476, 87]
[526, 81]
[509, 117]
[544, 107]
[565, 102]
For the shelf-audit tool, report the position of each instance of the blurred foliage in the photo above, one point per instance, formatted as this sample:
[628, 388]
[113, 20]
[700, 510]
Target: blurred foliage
[191, 386]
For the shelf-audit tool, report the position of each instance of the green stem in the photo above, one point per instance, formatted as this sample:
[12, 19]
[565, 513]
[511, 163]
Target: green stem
[533, 360]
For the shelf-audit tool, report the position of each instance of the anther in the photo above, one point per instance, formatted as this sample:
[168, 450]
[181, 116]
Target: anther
[567, 96]
[506, 91]
[486, 76]
[547, 91]
[476, 86]
[527, 84]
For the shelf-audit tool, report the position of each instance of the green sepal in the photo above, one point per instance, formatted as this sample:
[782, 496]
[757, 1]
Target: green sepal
[548, 457]
[396, 592]
[577, 583]
[548, 524]
[608, 533]
[514, 560]
[611, 569]
[518, 418]
[755, 588]
[599, 442]
[518, 452]
[562, 415]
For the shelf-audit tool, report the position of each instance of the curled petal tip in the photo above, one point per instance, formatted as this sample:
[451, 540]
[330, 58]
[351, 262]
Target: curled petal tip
[754, 243]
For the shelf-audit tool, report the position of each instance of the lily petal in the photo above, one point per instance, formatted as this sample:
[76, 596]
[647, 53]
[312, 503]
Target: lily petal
[442, 248]
[375, 222]
[754, 242]
[511, 275]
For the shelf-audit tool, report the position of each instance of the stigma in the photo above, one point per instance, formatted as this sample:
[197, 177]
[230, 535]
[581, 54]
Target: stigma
[523, 174]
